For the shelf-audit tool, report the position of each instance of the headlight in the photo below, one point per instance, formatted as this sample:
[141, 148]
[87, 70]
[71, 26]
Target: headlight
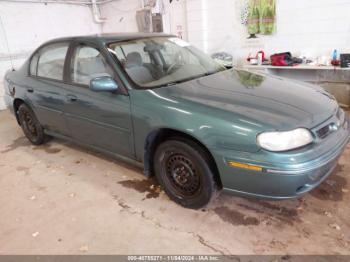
[284, 141]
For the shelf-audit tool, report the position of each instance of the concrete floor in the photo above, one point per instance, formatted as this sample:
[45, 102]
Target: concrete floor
[61, 199]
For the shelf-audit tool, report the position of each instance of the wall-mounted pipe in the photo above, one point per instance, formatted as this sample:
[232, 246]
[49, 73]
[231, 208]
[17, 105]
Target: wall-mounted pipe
[96, 13]
[58, 2]
[94, 5]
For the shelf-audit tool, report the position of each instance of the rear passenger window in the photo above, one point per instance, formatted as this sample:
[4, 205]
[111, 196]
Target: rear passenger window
[51, 61]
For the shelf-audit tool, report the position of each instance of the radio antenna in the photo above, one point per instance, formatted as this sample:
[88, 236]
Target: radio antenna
[7, 43]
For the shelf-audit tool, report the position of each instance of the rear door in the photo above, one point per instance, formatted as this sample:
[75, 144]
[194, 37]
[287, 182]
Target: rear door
[45, 86]
[99, 119]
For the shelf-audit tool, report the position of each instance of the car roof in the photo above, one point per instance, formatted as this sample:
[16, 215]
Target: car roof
[112, 37]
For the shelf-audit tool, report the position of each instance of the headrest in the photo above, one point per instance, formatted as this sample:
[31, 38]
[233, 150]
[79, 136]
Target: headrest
[133, 59]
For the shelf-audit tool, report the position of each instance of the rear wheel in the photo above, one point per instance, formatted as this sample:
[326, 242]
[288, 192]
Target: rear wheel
[30, 125]
[182, 168]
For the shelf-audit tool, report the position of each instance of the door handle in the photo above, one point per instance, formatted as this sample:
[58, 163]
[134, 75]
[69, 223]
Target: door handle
[72, 98]
[30, 90]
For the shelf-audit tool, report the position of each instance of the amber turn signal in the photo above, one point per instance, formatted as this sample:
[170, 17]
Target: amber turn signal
[245, 166]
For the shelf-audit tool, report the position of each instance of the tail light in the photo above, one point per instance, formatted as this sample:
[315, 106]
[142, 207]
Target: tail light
[11, 88]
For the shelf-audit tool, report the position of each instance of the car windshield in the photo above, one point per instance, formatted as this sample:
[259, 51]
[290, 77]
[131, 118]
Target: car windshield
[159, 61]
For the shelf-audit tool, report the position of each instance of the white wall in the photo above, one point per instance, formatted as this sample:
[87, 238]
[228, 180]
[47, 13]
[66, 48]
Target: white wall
[210, 23]
[29, 25]
[313, 27]
[175, 18]
[120, 16]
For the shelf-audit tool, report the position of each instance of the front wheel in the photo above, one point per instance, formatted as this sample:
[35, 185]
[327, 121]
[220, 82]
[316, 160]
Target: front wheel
[30, 125]
[182, 168]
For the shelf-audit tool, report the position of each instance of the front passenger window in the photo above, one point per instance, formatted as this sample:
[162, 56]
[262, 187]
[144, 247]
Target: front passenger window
[88, 63]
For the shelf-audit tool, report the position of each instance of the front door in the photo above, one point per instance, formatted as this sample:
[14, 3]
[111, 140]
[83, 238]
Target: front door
[99, 119]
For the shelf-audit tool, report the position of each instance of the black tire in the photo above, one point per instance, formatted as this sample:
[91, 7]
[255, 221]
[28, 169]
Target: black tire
[30, 125]
[183, 170]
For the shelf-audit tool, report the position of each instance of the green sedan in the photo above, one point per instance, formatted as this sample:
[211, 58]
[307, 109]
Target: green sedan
[156, 101]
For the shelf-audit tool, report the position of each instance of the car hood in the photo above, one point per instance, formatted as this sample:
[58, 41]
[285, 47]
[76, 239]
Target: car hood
[272, 102]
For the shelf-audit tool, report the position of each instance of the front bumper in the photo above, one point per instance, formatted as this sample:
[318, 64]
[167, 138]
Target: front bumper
[283, 175]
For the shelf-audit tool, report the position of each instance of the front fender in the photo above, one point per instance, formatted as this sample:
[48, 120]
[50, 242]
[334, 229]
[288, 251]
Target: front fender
[210, 126]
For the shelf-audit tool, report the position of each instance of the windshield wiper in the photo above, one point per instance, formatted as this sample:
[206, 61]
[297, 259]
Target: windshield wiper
[211, 73]
[191, 78]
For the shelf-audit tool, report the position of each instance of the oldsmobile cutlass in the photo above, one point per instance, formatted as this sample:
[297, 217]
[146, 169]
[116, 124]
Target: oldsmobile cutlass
[156, 101]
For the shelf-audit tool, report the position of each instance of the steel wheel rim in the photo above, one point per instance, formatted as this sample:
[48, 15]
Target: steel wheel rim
[182, 175]
[30, 126]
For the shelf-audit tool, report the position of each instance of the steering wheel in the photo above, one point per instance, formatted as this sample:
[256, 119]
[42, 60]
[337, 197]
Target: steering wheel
[178, 61]
[171, 67]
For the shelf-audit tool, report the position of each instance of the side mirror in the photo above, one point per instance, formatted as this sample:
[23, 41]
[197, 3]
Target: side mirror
[103, 84]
